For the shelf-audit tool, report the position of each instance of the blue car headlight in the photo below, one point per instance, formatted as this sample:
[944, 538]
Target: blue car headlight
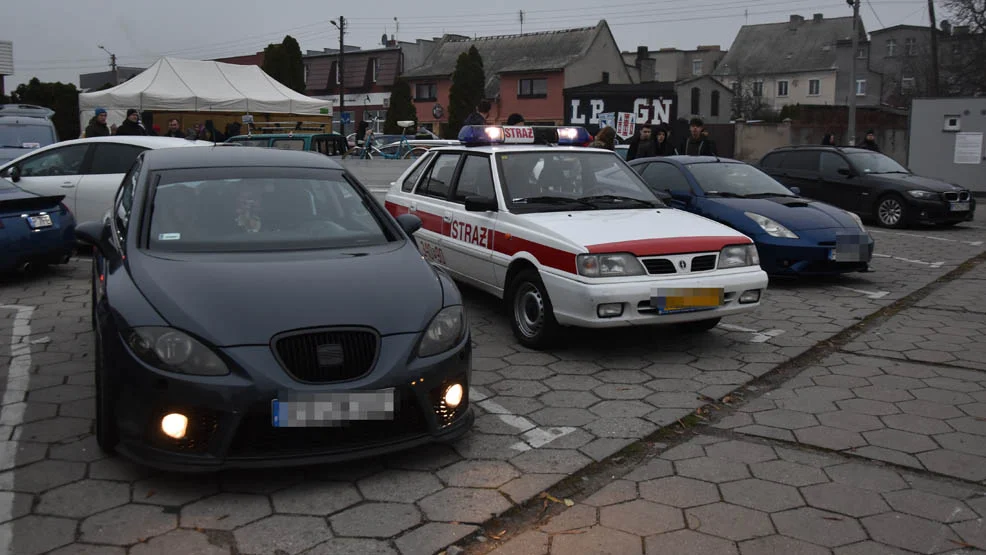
[771, 227]
[445, 331]
[175, 351]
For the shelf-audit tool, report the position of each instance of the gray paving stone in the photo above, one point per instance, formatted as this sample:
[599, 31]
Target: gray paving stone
[127, 525]
[881, 394]
[972, 532]
[969, 425]
[818, 527]
[574, 367]
[951, 463]
[677, 491]
[550, 461]
[561, 417]
[930, 409]
[428, 458]
[930, 506]
[712, 470]
[780, 545]
[642, 518]
[375, 520]
[527, 543]
[672, 385]
[868, 406]
[909, 532]
[613, 493]
[432, 537]
[844, 499]
[942, 396]
[281, 533]
[475, 474]
[807, 405]
[16, 414]
[33, 535]
[887, 455]
[622, 377]
[651, 470]
[621, 409]
[688, 542]
[42, 476]
[116, 468]
[829, 438]
[83, 450]
[787, 472]
[850, 421]
[597, 541]
[621, 427]
[899, 440]
[84, 498]
[602, 448]
[523, 372]
[399, 486]
[963, 443]
[468, 505]
[83, 549]
[767, 432]
[869, 548]
[529, 485]
[519, 388]
[352, 546]
[245, 481]
[823, 393]
[865, 476]
[569, 399]
[572, 383]
[741, 451]
[729, 521]
[315, 498]
[173, 490]
[578, 517]
[761, 495]
[225, 511]
[186, 542]
[785, 419]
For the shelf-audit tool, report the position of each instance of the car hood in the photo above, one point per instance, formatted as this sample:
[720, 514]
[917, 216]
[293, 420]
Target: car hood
[246, 299]
[644, 232]
[794, 213]
[915, 181]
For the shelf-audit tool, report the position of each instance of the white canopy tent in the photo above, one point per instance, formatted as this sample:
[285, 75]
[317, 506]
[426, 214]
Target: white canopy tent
[178, 85]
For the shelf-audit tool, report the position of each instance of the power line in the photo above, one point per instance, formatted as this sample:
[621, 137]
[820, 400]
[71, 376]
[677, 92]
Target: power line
[876, 15]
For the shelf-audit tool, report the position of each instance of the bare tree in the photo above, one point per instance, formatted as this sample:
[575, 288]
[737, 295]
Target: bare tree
[963, 54]
[748, 100]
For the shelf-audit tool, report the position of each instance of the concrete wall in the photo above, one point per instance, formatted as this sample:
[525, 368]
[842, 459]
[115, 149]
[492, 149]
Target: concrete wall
[932, 149]
[754, 140]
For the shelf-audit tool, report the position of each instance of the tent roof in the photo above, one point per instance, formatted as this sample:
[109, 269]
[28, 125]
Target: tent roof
[175, 84]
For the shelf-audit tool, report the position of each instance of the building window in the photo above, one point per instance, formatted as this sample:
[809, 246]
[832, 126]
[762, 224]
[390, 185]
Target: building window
[814, 87]
[697, 67]
[714, 107]
[374, 69]
[696, 101]
[335, 70]
[425, 92]
[861, 53]
[758, 88]
[907, 84]
[860, 87]
[910, 47]
[532, 88]
[736, 87]
[891, 48]
[782, 88]
[306, 75]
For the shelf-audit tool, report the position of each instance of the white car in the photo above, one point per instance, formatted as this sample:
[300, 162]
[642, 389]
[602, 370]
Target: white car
[571, 236]
[87, 171]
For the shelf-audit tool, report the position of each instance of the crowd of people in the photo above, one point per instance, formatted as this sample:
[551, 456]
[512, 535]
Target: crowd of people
[132, 125]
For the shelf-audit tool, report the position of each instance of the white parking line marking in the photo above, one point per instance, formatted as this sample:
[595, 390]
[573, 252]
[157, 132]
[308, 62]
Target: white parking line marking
[870, 294]
[20, 366]
[921, 262]
[534, 436]
[758, 336]
[971, 243]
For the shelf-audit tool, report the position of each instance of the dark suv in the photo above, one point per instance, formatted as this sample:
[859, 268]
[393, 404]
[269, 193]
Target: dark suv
[870, 184]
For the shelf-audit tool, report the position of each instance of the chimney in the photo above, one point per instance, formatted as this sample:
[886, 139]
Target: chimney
[796, 20]
[816, 18]
[946, 27]
[642, 54]
[605, 77]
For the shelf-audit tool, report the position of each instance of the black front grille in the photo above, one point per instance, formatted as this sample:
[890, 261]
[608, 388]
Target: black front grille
[328, 355]
[952, 196]
[659, 266]
[962, 196]
[256, 435]
[704, 263]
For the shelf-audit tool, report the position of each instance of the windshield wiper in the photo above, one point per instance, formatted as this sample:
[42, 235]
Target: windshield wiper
[618, 198]
[895, 171]
[762, 195]
[553, 200]
[16, 146]
[722, 194]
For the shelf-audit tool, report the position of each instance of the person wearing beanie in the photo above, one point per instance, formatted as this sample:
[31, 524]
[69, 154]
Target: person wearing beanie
[131, 125]
[97, 125]
[515, 119]
[870, 142]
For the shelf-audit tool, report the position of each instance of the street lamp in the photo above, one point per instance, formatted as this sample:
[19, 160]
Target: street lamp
[116, 74]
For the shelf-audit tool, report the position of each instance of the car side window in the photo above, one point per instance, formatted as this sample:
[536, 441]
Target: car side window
[475, 179]
[772, 161]
[437, 181]
[124, 202]
[408, 185]
[831, 163]
[801, 160]
[66, 160]
[663, 177]
[111, 158]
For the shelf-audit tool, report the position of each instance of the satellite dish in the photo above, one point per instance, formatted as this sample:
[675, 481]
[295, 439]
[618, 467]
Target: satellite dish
[383, 39]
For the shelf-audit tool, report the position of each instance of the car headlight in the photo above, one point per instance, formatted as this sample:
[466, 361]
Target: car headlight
[444, 332]
[609, 265]
[858, 220]
[174, 351]
[737, 256]
[924, 195]
[772, 228]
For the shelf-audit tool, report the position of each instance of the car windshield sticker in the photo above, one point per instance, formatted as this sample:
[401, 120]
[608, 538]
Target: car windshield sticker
[169, 236]
[31, 145]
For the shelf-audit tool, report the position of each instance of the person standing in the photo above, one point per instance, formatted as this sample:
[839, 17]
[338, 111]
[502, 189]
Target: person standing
[131, 125]
[481, 114]
[829, 139]
[97, 125]
[174, 129]
[664, 147]
[870, 142]
[696, 144]
[606, 138]
[515, 119]
[642, 145]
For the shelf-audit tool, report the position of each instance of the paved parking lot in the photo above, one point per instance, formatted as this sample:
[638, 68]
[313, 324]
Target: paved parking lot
[907, 390]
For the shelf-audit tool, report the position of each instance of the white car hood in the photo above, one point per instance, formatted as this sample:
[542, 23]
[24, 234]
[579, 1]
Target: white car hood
[645, 232]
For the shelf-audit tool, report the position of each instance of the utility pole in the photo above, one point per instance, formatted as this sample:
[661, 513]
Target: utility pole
[522, 22]
[341, 74]
[933, 89]
[116, 74]
[852, 71]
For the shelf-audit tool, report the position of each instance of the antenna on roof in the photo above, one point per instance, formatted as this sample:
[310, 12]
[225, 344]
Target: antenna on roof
[746, 14]
[522, 22]
[397, 32]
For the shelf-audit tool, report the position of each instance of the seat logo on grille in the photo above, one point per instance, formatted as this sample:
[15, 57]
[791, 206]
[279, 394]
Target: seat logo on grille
[330, 354]
[682, 264]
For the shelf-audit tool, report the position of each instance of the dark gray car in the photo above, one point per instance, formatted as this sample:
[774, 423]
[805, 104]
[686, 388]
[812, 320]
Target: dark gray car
[24, 127]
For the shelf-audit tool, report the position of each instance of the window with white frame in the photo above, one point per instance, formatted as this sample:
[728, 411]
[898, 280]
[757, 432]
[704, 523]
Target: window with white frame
[861, 53]
[697, 66]
[860, 87]
[374, 69]
[814, 87]
[782, 88]
[891, 48]
[758, 88]
[907, 84]
[910, 47]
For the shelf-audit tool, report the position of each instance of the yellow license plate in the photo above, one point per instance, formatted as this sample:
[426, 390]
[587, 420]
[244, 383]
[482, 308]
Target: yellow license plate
[677, 300]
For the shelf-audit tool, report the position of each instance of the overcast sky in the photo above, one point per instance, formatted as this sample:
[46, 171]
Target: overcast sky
[56, 40]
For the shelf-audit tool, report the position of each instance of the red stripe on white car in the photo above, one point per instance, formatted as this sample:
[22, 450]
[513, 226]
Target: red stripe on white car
[547, 256]
[669, 245]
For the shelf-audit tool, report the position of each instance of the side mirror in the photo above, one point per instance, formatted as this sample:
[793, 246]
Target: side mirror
[14, 173]
[796, 190]
[845, 171]
[481, 204]
[97, 235]
[409, 223]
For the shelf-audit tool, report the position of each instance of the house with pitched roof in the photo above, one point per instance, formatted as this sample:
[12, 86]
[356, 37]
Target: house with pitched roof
[800, 61]
[525, 73]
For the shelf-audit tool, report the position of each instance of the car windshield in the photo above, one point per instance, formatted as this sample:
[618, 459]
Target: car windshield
[731, 179]
[543, 181]
[257, 209]
[25, 136]
[874, 162]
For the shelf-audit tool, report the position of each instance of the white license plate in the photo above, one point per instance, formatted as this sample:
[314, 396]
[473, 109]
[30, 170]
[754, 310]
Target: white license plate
[38, 222]
[959, 206]
[332, 409]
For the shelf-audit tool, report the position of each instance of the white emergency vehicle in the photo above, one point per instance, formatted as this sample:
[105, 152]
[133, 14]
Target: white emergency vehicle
[571, 236]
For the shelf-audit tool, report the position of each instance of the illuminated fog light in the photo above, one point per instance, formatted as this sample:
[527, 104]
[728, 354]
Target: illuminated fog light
[174, 425]
[750, 296]
[609, 310]
[453, 396]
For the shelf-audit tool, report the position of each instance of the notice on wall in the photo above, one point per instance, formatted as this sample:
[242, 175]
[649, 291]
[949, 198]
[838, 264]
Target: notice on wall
[968, 148]
[625, 124]
[607, 120]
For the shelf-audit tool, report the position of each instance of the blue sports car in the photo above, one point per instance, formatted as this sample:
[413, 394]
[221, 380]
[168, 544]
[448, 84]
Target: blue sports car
[794, 235]
[35, 230]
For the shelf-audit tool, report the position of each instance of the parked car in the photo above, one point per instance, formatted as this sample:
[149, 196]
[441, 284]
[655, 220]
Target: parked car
[329, 144]
[87, 172]
[35, 230]
[24, 127]
[255, 307]
[794, 235]
[622, 150]
[870, 184]
[417, 147]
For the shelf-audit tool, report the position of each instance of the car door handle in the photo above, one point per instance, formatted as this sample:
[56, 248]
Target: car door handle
[448, 218]
[68, 185]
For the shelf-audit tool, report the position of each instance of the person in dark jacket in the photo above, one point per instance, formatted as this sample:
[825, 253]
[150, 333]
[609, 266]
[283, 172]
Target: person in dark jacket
[696, 144]
[97, 125]
[515, 119]
[131, 125]
[664, 147]
[829, 139]
[174, 129]
[870, 142]
[481, 114]
[643, 144]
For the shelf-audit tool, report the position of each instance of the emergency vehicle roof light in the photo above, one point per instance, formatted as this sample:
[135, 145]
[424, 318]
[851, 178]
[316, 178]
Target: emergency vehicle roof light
[472, 135]
[573, 136]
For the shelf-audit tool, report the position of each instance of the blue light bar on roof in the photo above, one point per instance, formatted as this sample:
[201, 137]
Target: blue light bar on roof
[495, 134]
[573, 136]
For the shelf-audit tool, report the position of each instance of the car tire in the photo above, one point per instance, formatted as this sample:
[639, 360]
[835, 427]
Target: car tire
[106, 432]
[532, 316]
[891, 211]
[699, 325]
